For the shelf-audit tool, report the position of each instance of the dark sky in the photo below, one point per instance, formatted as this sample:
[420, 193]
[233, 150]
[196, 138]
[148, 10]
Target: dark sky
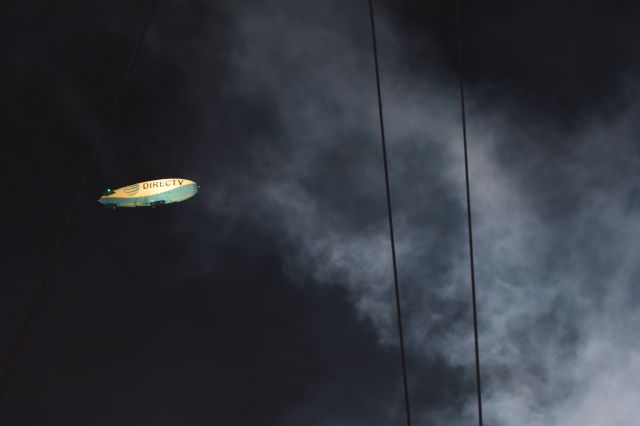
[267, 299]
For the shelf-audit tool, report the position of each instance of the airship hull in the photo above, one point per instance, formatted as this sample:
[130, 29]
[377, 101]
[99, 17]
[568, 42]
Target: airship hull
[151, 193]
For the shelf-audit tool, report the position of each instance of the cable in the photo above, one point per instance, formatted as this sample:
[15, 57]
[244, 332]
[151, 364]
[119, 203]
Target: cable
[390, 217]
[469, 225]
[6, 368]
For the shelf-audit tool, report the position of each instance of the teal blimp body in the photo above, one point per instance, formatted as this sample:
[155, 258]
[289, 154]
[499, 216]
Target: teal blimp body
[151, 193]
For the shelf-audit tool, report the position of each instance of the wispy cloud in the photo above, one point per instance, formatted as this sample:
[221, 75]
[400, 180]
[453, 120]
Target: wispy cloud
[555, 220]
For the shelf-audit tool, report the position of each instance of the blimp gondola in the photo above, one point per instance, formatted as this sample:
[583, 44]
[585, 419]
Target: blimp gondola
[152, 193]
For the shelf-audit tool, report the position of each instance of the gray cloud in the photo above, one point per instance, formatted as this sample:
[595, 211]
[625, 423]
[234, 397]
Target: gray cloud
[555, 222]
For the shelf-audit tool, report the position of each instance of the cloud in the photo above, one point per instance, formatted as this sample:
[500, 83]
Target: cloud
[555, 216]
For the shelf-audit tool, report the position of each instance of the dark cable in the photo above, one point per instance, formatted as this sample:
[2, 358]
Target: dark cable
[469, 226]
[6, 369]
[390, 217]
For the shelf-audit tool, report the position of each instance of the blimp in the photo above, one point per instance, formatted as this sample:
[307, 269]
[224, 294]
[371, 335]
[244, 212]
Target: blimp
[152, 193]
